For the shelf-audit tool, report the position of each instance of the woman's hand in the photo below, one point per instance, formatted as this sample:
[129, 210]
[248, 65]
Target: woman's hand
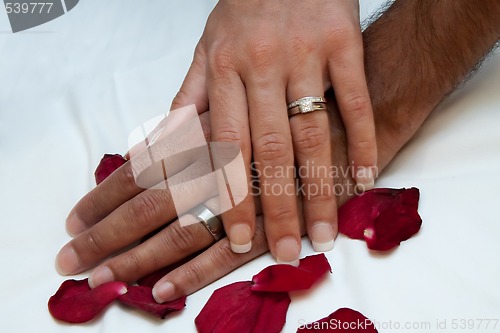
[253, 59]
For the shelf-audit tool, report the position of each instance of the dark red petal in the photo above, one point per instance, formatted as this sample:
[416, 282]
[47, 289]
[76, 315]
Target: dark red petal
[286, 278]
[342, 320]
[383, 217]
[236, 308]
[392, 227]
[75, 302]
[108, 164]
[141, 297]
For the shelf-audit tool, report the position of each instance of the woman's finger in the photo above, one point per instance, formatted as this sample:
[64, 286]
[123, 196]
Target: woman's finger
[194, 88]
[229, 124]
[274, 162]
[347, 73]
[312, 150]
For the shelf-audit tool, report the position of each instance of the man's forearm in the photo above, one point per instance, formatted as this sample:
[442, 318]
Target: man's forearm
[417, 52]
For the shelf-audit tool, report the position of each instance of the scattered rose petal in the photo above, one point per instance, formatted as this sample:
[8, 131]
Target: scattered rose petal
[382, 217]
[141, 297]
[342, 320]
[75, 302]
[390, 228]
[108, 164]
[236, 308]
[285, 278]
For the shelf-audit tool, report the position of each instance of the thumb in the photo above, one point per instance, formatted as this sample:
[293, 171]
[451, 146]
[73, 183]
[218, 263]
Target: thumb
[194, 87]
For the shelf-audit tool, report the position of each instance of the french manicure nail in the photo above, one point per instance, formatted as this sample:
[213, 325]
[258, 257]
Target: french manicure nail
[240, 238]
[67, 261]
[100, 276]
[287, 251]
[322, 237]
[74, 225]
[163, 292]
[364, 178]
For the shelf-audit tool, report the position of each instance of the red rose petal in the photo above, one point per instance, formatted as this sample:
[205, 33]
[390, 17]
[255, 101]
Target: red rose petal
[141, 297]
[236, 308]
[108, 164]
[285, 278]
[342, 320]
[382, 217]
[390, 228]
[75, 302]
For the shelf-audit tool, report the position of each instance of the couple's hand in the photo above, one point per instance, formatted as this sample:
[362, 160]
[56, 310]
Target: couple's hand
[118, 213]
[255, 57]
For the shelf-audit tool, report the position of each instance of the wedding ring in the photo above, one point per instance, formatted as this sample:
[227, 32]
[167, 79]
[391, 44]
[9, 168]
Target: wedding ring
[306, 104]
[209, 220]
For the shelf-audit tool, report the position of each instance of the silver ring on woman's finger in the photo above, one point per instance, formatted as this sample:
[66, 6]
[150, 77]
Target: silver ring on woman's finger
[211, 221]
[306, 105]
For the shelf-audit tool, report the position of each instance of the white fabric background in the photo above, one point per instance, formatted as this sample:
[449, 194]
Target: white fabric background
[72, 90]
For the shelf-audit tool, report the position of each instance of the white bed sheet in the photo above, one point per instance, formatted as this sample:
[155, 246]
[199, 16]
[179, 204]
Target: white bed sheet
[73, 89]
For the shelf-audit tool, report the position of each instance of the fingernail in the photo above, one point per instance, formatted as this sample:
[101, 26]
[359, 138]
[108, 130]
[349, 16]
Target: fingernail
[240, 238]
[163, 292]
[100, 276]
[287, 251]
[67, 261]
[365, 179]
[74, 225]
[322, 237]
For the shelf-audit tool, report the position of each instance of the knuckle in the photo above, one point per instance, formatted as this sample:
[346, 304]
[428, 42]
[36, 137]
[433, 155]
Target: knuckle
[302, 47]
[341, 36]
[193, 274]
[227, 134]
[180, 99]
[273, 148]
[127, 178]
[180, 238]
[261, 53]
[221, 61]
[362, 144]
[357, 107]
[94, 243]
[223, 257]
[92, 203]
[134, 263]
[281, 214]
[310, 139]
[143, 209]
[320, 196]
[200, 50]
